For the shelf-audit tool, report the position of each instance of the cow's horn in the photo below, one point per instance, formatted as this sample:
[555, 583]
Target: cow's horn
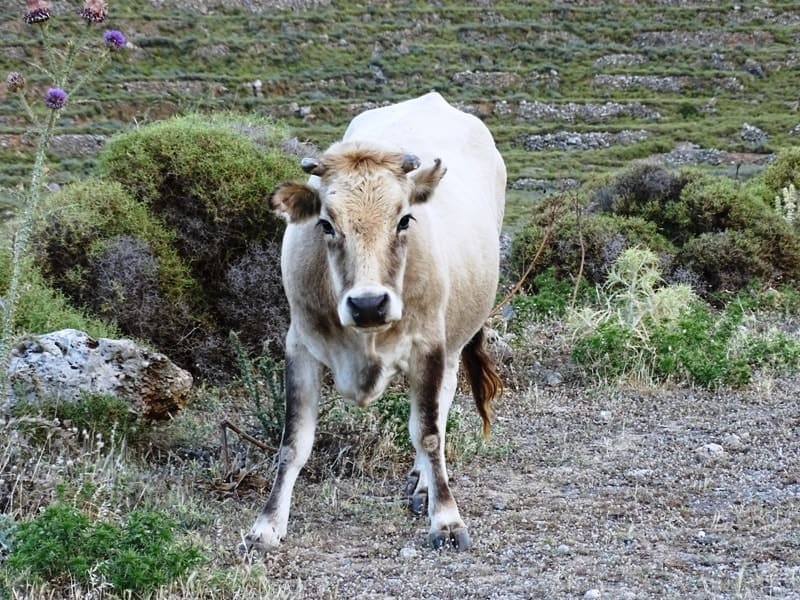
[312, 166]
[410, 162]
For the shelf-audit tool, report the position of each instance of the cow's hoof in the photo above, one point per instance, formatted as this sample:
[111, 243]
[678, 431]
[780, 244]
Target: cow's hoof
[416, 497]
[456, 537]
[262, 538]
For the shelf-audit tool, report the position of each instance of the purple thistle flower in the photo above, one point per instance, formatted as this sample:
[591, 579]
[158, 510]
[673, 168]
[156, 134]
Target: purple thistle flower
[114, 39]
[37, 11]
[55, 98]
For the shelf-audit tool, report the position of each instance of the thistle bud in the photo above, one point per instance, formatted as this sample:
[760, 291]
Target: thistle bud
[94, 11]
[15, 82]
[36, 11]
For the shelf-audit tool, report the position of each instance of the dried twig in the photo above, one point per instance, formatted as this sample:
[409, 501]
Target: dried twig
[578, 214]
[524, 277]
[224, 426]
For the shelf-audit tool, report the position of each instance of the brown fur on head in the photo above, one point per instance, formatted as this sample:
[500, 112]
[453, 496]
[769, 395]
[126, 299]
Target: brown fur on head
[343, 161]
[363, 205]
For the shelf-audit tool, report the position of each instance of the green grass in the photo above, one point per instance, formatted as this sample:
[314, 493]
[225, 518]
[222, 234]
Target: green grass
[321, 58]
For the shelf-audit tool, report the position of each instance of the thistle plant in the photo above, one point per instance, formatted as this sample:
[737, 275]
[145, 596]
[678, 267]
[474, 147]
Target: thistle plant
[57, 83]
[786, 205]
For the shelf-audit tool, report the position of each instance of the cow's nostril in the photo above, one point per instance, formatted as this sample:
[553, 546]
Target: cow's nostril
[369, 310]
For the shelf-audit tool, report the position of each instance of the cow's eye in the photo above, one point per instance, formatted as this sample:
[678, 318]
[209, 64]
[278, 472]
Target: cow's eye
[404, 223]
[326, 226]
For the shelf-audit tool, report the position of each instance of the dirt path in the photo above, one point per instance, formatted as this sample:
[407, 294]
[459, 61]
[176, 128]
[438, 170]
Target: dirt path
[584, 494]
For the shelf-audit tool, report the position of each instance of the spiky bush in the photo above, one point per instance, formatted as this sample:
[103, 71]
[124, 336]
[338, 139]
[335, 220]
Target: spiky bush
[642, 328]
[175, 241]
[708, 231]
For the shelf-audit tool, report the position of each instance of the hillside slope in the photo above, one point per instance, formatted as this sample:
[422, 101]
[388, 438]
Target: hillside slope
[569, 89]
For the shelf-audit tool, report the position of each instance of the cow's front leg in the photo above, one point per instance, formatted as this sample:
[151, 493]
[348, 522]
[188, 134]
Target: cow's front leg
[433, 384]
[302, 386]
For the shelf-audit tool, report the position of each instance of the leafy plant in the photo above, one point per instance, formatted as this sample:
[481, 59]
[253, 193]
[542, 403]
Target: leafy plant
[648, 330]
[262, 378]
[63, 543]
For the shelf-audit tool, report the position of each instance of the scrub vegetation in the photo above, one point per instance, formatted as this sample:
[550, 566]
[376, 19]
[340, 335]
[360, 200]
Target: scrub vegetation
[646, 444]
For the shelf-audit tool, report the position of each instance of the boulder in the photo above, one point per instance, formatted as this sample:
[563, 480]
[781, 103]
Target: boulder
[66, 364]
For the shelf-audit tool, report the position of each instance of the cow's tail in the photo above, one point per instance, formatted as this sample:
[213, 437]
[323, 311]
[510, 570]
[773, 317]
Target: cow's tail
[483, 378]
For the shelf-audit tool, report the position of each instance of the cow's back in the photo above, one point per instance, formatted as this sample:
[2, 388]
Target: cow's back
[462, 220]
[431, 128]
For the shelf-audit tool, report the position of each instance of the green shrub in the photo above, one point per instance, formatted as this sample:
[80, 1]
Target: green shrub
[208, 182]
[176, 243]
[782, 171]
[63, 544]
[586, 245]
[727, 260]
[80, 222]
[644, 329]
[42, 309]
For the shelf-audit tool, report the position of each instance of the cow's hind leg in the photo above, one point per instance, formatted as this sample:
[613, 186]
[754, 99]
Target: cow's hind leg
[302, 378]
[433, 386]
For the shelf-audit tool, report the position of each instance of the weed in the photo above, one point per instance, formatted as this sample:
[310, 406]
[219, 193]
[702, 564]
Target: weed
[262, 378]
[101, 414]
[59, 69]
[63, 543]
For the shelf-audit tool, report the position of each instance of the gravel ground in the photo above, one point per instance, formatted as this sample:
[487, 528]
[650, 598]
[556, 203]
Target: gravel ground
[583, 493]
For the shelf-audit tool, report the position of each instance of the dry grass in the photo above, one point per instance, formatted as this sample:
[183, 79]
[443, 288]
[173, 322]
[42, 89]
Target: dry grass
[583, 487]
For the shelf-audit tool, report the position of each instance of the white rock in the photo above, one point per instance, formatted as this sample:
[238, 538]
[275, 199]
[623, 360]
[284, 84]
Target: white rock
[592, 594]
[63, 365]
[710, 450]
[408, 553]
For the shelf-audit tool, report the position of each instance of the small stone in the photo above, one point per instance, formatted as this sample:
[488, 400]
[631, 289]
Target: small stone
[592, 594]
[552, 378]
[564, 550]
[710, 451]
[498, 504]
[408, 553]
[603, 417]
[731, 441]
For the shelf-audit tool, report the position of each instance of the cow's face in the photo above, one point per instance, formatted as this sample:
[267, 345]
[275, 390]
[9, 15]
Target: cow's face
[363, 209]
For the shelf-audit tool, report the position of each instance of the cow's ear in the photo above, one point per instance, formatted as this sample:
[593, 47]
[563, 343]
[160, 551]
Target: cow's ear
[426, 180]
[295, 201]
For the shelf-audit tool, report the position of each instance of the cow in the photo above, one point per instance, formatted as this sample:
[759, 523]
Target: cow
[390, 267]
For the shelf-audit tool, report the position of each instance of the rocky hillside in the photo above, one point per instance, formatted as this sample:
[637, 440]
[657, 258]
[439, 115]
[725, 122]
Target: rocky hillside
[570, 89]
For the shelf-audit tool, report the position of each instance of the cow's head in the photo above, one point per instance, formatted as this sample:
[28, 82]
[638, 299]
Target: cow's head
[363, 211]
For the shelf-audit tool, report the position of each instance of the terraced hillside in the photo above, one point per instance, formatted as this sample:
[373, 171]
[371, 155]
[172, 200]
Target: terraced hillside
[569, 89]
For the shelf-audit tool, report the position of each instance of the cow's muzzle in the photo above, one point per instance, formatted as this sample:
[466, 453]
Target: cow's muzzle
[369, 310]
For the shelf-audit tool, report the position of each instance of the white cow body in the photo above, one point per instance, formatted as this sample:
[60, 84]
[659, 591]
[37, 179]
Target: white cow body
[390, 266]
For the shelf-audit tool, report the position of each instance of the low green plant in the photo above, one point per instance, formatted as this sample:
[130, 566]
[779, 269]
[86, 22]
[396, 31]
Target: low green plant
[262, 378]
[64, 544]
[644, 329]
[96, 413]
[548, 296]
[697, 348]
